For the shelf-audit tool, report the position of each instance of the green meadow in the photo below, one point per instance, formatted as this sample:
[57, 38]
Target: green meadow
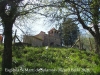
[53, 61]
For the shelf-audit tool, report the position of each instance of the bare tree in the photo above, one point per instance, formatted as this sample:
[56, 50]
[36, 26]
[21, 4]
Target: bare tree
[10, 10]
[83, 12]
[86, 13]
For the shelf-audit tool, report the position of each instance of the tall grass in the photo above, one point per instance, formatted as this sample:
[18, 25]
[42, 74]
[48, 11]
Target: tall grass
[54, 61]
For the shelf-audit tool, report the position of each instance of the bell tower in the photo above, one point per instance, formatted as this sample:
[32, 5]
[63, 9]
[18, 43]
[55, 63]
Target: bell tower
[54, 38]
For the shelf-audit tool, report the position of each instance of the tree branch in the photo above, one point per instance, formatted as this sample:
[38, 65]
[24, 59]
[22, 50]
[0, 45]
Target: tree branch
[83, 24]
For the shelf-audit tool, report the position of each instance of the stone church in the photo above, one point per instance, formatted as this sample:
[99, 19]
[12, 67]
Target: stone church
[43, 39]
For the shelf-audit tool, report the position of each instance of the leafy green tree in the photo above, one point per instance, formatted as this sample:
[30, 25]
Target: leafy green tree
[69, 32]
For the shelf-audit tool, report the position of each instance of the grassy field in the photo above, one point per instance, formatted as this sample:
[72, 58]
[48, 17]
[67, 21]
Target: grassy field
[53, 61]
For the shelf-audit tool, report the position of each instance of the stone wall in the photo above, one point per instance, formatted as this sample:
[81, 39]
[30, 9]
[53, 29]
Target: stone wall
[34, 41]
[42, 39]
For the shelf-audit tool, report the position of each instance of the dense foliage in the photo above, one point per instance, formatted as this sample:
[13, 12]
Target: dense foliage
[53, 61]
[69, 32]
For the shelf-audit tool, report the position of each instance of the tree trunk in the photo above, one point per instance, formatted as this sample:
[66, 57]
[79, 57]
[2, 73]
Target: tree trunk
[90, 44]
[7, 53]
[97, 44]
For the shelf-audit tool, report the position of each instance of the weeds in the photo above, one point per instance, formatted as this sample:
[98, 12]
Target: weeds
[54, 61]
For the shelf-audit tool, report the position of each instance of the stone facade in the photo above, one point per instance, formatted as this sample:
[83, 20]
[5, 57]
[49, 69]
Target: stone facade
[33, 40]
[43, 39]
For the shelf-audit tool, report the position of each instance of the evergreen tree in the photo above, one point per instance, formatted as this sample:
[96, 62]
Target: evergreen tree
[69, 32]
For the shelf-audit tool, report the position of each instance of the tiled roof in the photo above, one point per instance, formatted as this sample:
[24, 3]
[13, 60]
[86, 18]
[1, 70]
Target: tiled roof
[38, 38]
[40, 35]
[53, 29]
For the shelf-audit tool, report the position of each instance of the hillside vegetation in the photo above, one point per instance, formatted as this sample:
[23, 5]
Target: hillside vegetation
[53, 61]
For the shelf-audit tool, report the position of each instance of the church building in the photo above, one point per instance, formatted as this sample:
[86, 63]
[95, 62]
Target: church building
[43, 39]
